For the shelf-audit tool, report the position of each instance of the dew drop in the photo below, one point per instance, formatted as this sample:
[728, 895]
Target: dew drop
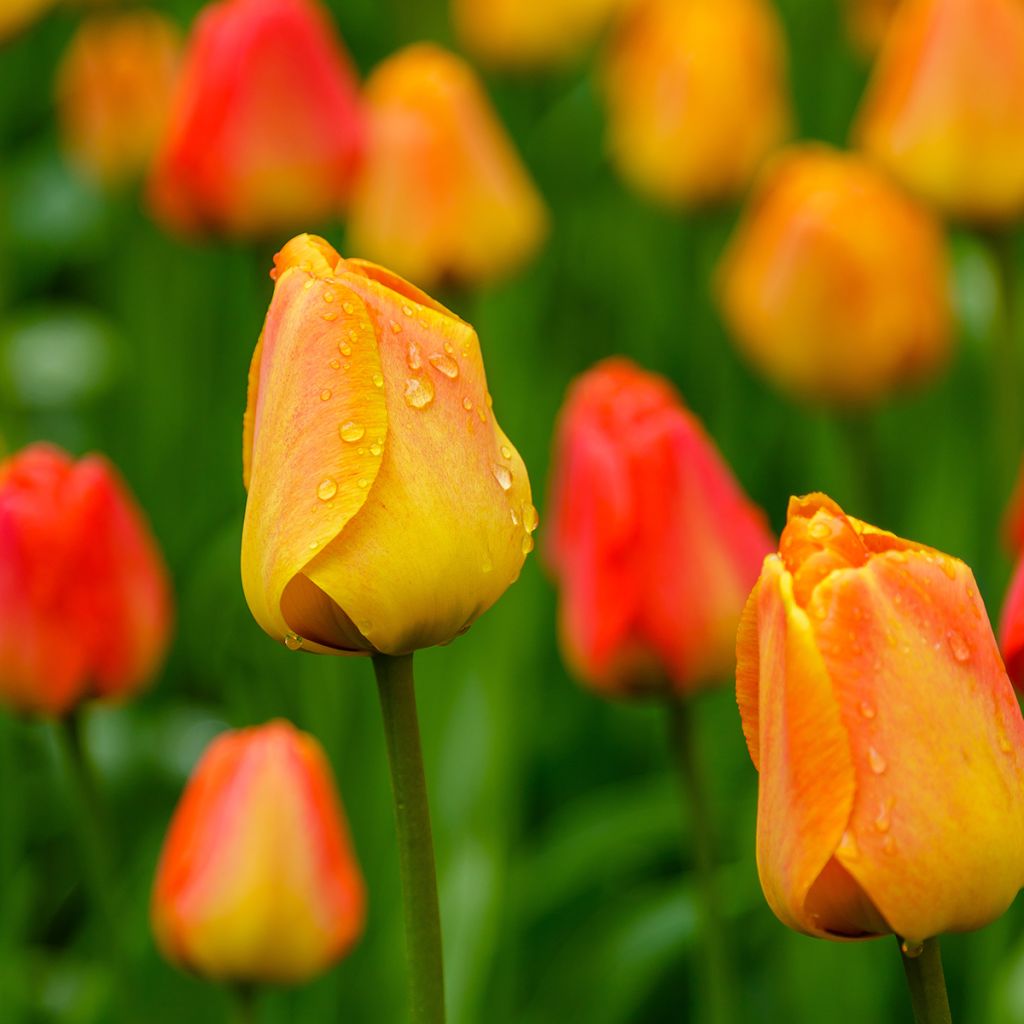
[467, 404]
[335, 364]
[515, 518]
[407, 310]
[330, 315]
[419, 392]
[396, 327]
[329, 297]
[444, 364]
[327, 489]
[413, 356]
[345, 349]
[504, 477]
[876, 761]
[506, 452]
[527, 544]
[325, 395]
[819, 530]
[882, 820]
[481, 414]
[348, 307]
[490, 401]
[958, 645]
[308, 284]
[292, 641]
[448, 348]
[867, 710]
[378, 380]
[351, 431]
[375, 449]
[530, 518]
[911, 950]
[363, 482]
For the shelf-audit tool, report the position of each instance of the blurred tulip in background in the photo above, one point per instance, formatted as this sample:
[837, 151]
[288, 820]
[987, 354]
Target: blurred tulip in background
[835, 284]
[696, 96]
[17, 14]
[443, 197]
[265, 130]
[867, 22]
[258, 881]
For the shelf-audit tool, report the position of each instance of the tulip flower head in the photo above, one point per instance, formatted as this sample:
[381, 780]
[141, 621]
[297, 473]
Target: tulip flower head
[944, 111]
[84, 597]
[888, 740]
[442, 195]
[1011, 628]
[257, 881]
[696, 96]
[113, 92]
[835, 284]
[265, 129]
[386, 509]
[653, 543]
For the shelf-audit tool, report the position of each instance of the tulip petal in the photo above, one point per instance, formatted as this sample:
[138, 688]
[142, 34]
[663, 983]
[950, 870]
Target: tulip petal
[1011, 627]
[807, 780]
[908, 647]
[748, 674]
[317, 434]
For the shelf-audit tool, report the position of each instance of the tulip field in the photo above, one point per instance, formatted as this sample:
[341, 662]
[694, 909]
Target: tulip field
[511, 511]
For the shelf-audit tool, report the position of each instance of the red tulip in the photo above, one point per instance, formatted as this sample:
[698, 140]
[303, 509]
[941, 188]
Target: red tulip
[84, 600]
[265, 130]
[654, 543]
[1011, 628]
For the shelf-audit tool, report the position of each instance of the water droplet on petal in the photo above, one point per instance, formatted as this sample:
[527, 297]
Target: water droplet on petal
[504, 477]
[527, 544]
[490, 401]
[335, 364]
[413, 357]
[363, 482]
[958, 645]
[506, 452]
[882, 821]
[375, 449]
[378, 380]
[348, 307]
[328, 296]
[419, 392]
[911, 950]
[351, 431]
[467, 404]
[396, 327]
[325, 395]
[481, 414]
[444, 364]
[407, 310]
[515, 518]
[292, 641]
[327, 489]
[530, 518]
[876, 761]
[819, 530]
[448, 348]
[330, 315]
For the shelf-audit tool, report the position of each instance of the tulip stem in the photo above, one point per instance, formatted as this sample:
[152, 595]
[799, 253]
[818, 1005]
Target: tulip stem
[1006, 378]
[415, 843]
[718, 985]
[926, 983]
[244, 999]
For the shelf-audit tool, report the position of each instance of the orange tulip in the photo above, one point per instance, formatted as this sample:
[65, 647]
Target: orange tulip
[867, 21]
[653, 542]
[529, 33]
[696, 96]
[835, 283]
[387, 509]
[258, 880]
[17, 14]
[944, 111]
[442, 194]
[265, 129]
[84, 601]
[888, 740]
[113, 92]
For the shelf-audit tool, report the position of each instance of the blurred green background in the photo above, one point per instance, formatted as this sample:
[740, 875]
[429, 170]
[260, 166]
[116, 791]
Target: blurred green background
[565, 875]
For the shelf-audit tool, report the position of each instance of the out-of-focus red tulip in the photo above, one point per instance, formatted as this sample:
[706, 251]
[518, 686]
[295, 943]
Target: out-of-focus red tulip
[888, 741]
[697, 96]
[442, 194]
[944, 111]
[835, 284]
[867, 22]
[84, 599]
[653, 543]
[113, 92]
[258, 881]
[529, 33]
[265, 130]
[1011, 628]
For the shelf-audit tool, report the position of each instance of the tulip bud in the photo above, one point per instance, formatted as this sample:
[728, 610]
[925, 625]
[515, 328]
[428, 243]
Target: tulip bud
[696, 96]
[524, 34]
[387, 509]
[265, 129]
[945, 106]
[84, 601]
[888, 740]
[257, 881]
[653, 543]
[113, 92]
[835, 283]
[442, 194]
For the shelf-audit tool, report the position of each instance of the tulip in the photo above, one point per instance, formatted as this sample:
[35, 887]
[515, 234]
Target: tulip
[387, 509]
[888, 740]
[524, 34]
[696, 97]
[113, 92]
[84, 598]
[944, 110]
[835, 282]
[867, 22]
[653, 542]
[257, 881]
[1011, 628]
[265, 128]
[442, 195]
[17, 14]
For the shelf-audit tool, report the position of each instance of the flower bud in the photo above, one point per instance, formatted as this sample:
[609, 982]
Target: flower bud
[442, 195]
[653, 543]
[696, 96]
[387, 509]
[113, 92]
[84, 598]
[835, 285]
[265, 129]
[888, 740]
[945, 105]
[257, 881]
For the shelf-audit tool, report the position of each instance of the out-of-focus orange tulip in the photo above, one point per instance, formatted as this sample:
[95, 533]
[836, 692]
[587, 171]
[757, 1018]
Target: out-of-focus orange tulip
[888, 740]
[387, 509]
[835, 285]
[696, 96]
[113, 92]
[867, 22]
[84, 599]
[265, 129]
[653, 542]
[1011, 628]
[529, 33]
[442, 194]
[17, 14]
[944, 111]
[258, 881]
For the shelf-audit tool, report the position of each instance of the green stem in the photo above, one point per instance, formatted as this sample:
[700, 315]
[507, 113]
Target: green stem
[243, 999]
[718, 971]
[415, 843]
[926, 983]
[1005, 367]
